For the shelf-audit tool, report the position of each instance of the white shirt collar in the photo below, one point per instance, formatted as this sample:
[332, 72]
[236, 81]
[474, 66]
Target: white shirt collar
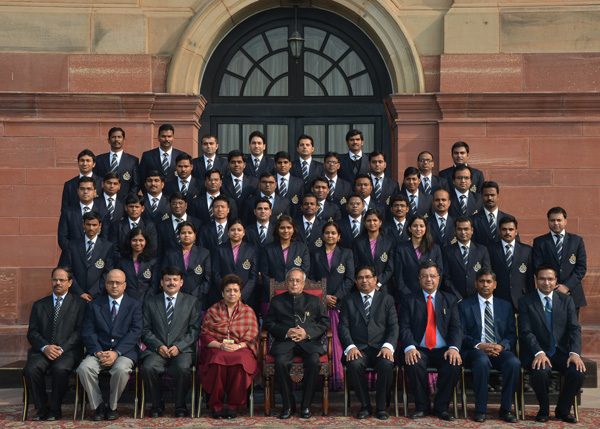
[234, 178]
[543, 297]
[438, 217]
[370, 295]
[482, 301]
[458, 194]
[150, 197]
[416, 194]
[257, 157]
[54, 298]
[428, 177]
[162, 152]
[487, 213]
[504, 243]
[279, 177]
[460, 245]
[309, 160]
[352, 155]
[119, 299]
[90, 205]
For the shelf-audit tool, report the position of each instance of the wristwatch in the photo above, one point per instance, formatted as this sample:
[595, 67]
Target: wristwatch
[239, 346]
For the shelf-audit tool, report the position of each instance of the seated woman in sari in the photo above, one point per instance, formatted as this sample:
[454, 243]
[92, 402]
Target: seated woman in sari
[229, 339]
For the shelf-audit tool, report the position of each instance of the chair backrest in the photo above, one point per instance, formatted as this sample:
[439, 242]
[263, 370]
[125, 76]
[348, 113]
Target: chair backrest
[319, 289]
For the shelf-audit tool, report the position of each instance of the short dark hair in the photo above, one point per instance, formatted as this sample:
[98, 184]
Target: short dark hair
[85, 179]
[361, 267]
[461, 167]
[134, 199]
[485, 272]
[354, 195]
[424, 152]
[282, 154]
[114, 130]
[376, 153]
[171, 270]
[229, 279]
[332, 154]
[362, 176]
[222, 198]
[234, 154]
[331, 223]
[556, 210]
[399, 197]
[166, 127]
[235, 221]
[257, 134]
[211, 172]
[93, 215]
[508, 219]
[86, 152]
[545, 266]
[309, 195]
[184, 156]
[262, 200]
[111, 175]
[461, 219]
[65, 269]
[177, 196]
[265, 174]
[429, 264]
[155, 173]
[458, 145]
[490, 184]
[353, 133]
[187, 223]
[411, 171]
[305, 137]
[290, 220]
[319, 179]
[209, 136]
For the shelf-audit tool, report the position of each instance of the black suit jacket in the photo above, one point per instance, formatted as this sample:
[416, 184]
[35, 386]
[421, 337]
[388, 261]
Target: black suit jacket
[315, 170]
[280, 206]
[70, 223]
[346, 227]
[199, 171]
[534, 332]
[346, 172]
[273, 265]
[198, 275]
[458, 278]
[143, 284]
[118, 214]
[391, 230]
[207, 237]
[100, 334]
[249, 188]
[69, 195]
[340, 278]
[164, 209]
[342, 190]
[151, 161]
[316, 239]
[167, 237]
[266, 164]
[573, 266]
[474, 205]
[436, 184]
[406, 266]
[119, 230]
[389, 187]
[198, 207]
[434, 228]
[184, 330]
[424, 204]
[304, 310]
[331, 211]
[253, 236]
[382, 326]
[195, 187]
[90, 279]
[505, 329]
[128, 169]
[476, 181]
[413, 319]
[295, 193]
[481, 224]
[68, 325]
[383, 261]
[517, 281]
[246, 267]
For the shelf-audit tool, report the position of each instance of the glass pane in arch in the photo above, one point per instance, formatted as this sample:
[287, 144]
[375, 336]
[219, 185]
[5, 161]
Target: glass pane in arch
[277, 38]
[277, 138]
[229, 137]
[313, 38]
[230, 86]
[315, 64]
[276, 65]
[256, 47]
[335, 84]
[337, 138]
[257, 84]
[368, 131]
[352, 64]
[361, 85]
[279, 88]
[239, 64]
[335, 47]
[312, 88]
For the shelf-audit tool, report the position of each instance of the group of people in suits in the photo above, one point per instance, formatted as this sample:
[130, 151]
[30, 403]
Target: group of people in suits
[263, 218]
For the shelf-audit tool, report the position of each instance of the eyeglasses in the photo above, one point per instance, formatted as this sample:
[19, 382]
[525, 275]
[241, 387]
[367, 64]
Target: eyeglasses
[463, 177]
[177, 203]
[354, 204]
[331, 162]
[114, 283]
[361, 278]
[428, 276]
[212, 180]
[425, 160]
[264, 182]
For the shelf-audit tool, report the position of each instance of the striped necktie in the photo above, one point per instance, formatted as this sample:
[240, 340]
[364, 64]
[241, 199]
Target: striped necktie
[283, 188]
[219, 234]
[509, 255]
[184, 187]
[113, 163]
[170, 310]
[165, 163]
[56, 312]
[559, 246]
[400, 229]
[378, 189]
[465, 255]
[443, 228]
[113, 312]
[548, 313]
[179, 221]
[308, 230]
[355, 228]
[134, 225]
[111, 208]
[263, 234]
[413, 205]
[209, 164]
[89, 251]
[492, 223]
[463, 204]
[154, 205]
[238, 188]
[490, 336]
[210, 210]
[367, 304]
[426, 185]
[320, 209]
[331, 189]
[86, 210]
[256, 165]
[305, 171]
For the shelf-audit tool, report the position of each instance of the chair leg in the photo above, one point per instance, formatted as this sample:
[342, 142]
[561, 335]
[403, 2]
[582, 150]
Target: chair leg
[576, 409]
[455, 403]
[252, 399]
[522, 395]
[199, 411]
[267, 396]
[194, 393]
[25, 400]
[516, 405]
[135, 400]
[404, 394]
[82, 403]
[76, 406]
[345, 393]
[396, 392]
[143, 402]
[464, 393]
[325, 395]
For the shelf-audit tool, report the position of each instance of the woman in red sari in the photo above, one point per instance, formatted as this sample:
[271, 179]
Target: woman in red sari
[229, 338]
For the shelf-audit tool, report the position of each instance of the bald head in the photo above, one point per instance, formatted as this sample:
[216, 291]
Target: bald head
[115, 283]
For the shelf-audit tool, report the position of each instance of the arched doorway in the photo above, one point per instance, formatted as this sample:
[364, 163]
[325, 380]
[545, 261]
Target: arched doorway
[252, 82]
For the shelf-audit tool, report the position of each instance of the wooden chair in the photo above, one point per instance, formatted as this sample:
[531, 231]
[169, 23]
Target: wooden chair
[297, 371]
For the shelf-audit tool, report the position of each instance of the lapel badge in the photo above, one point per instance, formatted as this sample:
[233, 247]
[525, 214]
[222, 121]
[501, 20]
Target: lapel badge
[454, 240]
[295, 199]
[307, 314]
[319, 242]
[573, 259]
[523, 268]
[341, 269]
[298, 261]
[99, 264]
[165, 217]
[330, 219]
[198, 270]
[474, 188]
[384, 257]
[477, 267]
[147, 274]
[475, 212]
[126, 176]
[343, 200]
[279, 215]
[426, 216]
[388, 200]
[246, 265]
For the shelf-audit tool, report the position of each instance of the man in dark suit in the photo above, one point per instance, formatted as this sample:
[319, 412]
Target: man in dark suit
[351, 223]
[355, 161]
[486, 221]
[288, 186]
[339, 189]
[209, 145]
[267, 185]
[55, 336]
[214, 233]
[258, 162]
[489, 341]
[90, 258]
[260, 233]
[172, 323]
[306, 168]
[566, 253]
[202, 206]
[163, 157]
[86, 161]
[71, 219]
[236, 184]
[168, 235]
[364, 187]
[183, 182]
[464, 201]
[117, 161]
[512, 262]
[463, 260]
[431, 334]
[297, 321]
[396, 225]
[109, 199]
[383, 187]
[309, 226]
[156, 204]
[551, 340]
[368, 331]
[112, 327]
[419, 203]
[326, 210]
[429, 183]
[134, 207]
[460, 156]
[440, 222]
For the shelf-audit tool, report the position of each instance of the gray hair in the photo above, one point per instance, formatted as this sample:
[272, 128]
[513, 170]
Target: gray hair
[287, 275]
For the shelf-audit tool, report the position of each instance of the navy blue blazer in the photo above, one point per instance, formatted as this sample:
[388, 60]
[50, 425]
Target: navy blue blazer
[392, 231]
[340, 278]
[151, 161]
[273, 265]
[167, 237]
[69, 195]
[246, 267]
[481, 224]
[315, 170]
[198, 207]
[424, 204]
[413, 319]
[199, 171]
[128, 169]
[458, 278]
[346, 172]
[144, 283]
[70, 223]
[505, 329]
[253, 237]
[476, 180]
[331, 211]
[316, 239]
[436, 184]
[280, 206]
[164, 209]
[100, 334]
[119, 230]
[198, 275]
[266, 164]
[249, 188]
[573, 266]
[118, 214]
[517, 281]
[295, 193]
[383, 261]
[474, 205]
[434, 229]
[389, 187]
[195, 187]
[406, 267]
[342, 190]
[90, 280]
[207, 237]
[346, 228]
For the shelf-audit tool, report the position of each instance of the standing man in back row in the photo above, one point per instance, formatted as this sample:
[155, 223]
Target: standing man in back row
[162, 158]
[355, 161]
[258, 162]
[117, 161]
[460, 156]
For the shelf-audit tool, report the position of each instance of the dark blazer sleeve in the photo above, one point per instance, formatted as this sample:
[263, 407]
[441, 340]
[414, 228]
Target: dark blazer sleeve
[272, 321]
[134, 332]
[321, 323]
[88, 331]
[150, 316]
[187, 340]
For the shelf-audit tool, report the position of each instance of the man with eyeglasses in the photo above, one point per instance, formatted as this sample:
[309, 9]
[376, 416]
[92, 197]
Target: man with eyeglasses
[429, 183]
[339, 189]
[297, 321]
[431, 334]
[167, 229]
[464, 201]
[267, 185]
[55, 336]
[111, 329]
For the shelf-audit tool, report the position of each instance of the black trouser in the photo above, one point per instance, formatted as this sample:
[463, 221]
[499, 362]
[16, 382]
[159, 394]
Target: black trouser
[60, 369]
[283, 364]
[356, 374]
[178, 367]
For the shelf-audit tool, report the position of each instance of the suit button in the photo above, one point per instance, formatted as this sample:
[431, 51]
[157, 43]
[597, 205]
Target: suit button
[112, 340]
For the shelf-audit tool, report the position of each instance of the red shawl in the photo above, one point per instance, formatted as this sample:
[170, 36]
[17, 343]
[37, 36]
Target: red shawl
[243, 327]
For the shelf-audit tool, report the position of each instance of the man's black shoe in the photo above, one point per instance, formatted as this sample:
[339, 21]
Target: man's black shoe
[382, 415]
[305, 413]
[567, 418]
[230, 413]
[445, 415]
[479, 417]
[112, 414]
[54, 415]
[218, 415]
[507, 416]
[156, 412]
[287, 413]
[542, 418]
[419, 414]
[181, 412]
[40, 416]
[364, 412]
[100, 413]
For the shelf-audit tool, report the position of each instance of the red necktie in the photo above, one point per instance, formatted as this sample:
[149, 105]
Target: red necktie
[430, 339]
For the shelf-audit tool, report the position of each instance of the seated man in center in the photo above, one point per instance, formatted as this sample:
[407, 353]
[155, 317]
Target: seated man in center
[297, 321]
[368, 330]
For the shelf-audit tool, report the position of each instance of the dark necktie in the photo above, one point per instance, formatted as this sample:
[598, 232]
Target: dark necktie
[367, 305]
[89, 251]
[443, 228]
[548, 312]
[305, 171]
[354, 228]
[509, 255]
[559, 246]
[184, 187]
[111, 208]
[463, 205]
[209, 164]
[210, 210]
[283, 188]
[400, 229]
[378, 189]
[413, 205]
[165, 163]
[219, 234]
[426, 185]
[113, 312]
[178, 220]
[308, 230]
[256, 165]
[331, 189]
[169, 310]
[134, 225]
[465, 255]
[490, 336]
[492, 224]
[320, 209]
[263, 234]
[154, 205]
[113, 163]
[430, 335]
[238, 189]
[355, 164]
[56, 312]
